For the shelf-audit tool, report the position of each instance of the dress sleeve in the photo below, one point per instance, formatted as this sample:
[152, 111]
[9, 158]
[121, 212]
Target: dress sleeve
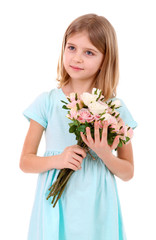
[38, 110]
[126, 115]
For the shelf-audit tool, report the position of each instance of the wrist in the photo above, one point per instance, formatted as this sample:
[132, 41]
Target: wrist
[106, 156]
[54, 161]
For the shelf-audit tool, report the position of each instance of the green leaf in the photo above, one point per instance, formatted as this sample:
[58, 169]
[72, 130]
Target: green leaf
[76, 97]
[85, 106]
[111, 129]
[99, 96]
[64, 102]
[76, 122]
[78, 108]
[118, 115]
[102, 118]
[69, 99]
[82, 128]
[127, 139]
[102, 113]
[110, 141]
[71, 124]
[120, 143]
[95, 92]
[87, 124]
[72, 129]
[64, 107]
[109, 103]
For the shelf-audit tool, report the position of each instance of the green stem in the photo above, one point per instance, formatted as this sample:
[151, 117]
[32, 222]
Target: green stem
[55, 184]
[66, 177]
[59, 182]
[61, 191]
[60, 179]
[91, 155]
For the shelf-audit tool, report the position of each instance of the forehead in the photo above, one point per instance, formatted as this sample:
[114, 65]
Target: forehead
[80, 38]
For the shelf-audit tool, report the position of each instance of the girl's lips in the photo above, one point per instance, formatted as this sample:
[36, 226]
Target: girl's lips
[76, 68]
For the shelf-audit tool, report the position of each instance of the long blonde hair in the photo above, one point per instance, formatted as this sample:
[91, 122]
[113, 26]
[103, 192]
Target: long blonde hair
[102, 35]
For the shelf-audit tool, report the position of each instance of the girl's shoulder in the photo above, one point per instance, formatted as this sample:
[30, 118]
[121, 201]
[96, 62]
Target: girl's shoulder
[53, 93]
[48, 96]
[39, 108]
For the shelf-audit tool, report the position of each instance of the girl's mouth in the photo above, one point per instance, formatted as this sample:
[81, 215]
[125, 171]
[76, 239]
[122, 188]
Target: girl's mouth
[76, 68]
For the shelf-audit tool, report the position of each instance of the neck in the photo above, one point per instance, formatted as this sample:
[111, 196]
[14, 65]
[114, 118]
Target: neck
[79, 87]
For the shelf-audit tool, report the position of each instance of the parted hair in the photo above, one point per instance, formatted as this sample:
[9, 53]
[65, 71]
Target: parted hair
[102, 35]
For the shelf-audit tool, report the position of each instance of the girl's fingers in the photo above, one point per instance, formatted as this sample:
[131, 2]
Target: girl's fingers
[89, 137]
[84, 138]
[104, 132]
[96, 132]
[79, 151]
[115, 142]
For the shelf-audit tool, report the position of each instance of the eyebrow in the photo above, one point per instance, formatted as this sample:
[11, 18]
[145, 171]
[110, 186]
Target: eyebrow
[85, 48]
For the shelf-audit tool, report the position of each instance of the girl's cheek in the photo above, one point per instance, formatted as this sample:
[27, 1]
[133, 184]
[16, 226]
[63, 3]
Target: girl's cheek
[64, 60]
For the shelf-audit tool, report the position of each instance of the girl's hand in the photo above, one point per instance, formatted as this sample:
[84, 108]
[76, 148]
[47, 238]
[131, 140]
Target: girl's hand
[100, 147]
[71, 157]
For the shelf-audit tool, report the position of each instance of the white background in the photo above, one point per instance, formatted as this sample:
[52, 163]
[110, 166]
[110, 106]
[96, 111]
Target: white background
[30, 43]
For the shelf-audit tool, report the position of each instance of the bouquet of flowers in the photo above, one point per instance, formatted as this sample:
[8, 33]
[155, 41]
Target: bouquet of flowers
[84, 110]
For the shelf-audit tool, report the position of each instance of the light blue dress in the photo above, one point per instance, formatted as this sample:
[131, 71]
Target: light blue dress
[89, 208]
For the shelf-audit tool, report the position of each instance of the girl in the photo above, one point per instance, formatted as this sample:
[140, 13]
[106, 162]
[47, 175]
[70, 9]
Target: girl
[89, 208]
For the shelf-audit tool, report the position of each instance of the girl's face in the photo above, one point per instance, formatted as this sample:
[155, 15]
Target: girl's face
[81, 58]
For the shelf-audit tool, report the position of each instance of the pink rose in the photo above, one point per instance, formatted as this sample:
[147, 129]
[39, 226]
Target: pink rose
[112, 120]
[73, 104]
[72, 96]
[84, 115]
[73, 114]
[96, 117]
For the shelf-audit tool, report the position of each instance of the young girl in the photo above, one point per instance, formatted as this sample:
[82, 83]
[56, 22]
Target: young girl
[89, 208]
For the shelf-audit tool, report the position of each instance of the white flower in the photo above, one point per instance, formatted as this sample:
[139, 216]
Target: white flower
[98, 91]
[97, 108]
[87, 98]
[117, 103]
[106, 116]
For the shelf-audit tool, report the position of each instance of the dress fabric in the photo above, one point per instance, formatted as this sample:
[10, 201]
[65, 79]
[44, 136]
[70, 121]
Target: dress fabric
[89, 208]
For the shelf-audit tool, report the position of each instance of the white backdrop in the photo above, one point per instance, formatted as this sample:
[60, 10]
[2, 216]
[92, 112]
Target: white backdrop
[30, 43]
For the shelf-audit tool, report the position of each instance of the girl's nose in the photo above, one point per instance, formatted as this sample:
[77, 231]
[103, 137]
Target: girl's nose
[78, 57]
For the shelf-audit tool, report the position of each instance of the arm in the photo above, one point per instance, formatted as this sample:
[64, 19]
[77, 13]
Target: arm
[29, 161]
[122, 166]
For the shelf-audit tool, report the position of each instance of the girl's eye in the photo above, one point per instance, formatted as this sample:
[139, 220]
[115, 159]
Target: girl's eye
[89, 53]
[71, 48]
